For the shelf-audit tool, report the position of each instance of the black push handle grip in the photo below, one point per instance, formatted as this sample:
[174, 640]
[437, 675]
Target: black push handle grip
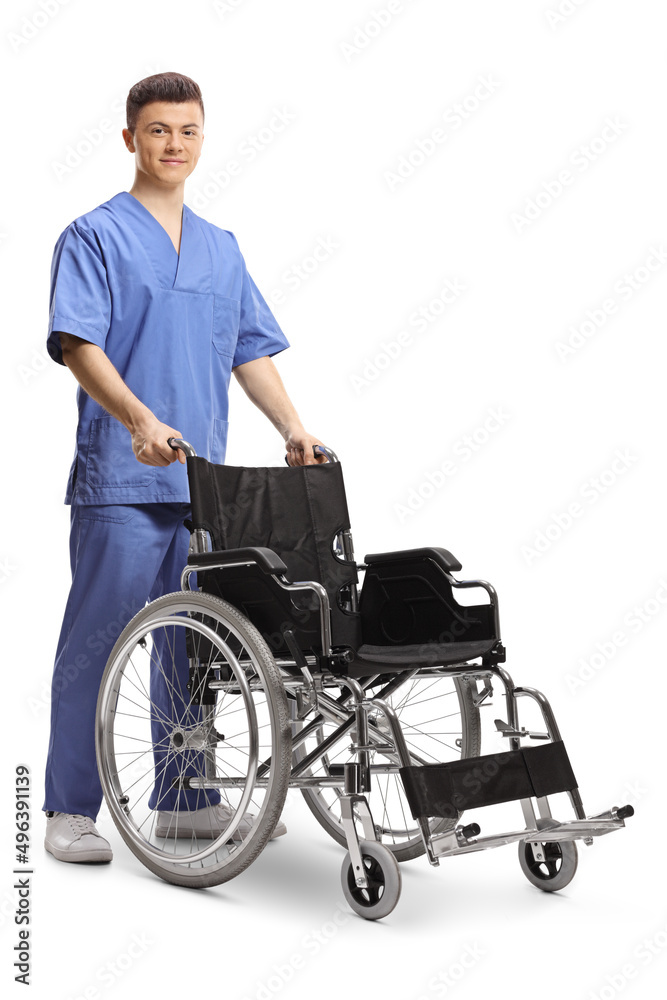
[329, 453]
[177, 443]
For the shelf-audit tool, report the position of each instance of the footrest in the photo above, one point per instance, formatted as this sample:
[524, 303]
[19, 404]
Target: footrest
[447, 790]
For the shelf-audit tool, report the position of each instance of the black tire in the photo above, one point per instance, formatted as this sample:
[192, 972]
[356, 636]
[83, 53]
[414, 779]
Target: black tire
[323, 803]
[384, 881]
[556, 870]
[188, 614]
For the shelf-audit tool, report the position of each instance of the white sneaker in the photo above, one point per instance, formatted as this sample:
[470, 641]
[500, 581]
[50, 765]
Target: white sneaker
[72, 837]
[207, 823]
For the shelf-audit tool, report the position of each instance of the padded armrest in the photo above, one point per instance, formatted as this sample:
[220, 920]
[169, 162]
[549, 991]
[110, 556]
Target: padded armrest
[442, 557]
[267, 560]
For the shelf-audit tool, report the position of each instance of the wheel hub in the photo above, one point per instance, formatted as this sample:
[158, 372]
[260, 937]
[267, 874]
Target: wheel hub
[182, 739]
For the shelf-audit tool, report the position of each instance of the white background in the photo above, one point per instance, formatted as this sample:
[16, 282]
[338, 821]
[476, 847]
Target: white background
[361, 97]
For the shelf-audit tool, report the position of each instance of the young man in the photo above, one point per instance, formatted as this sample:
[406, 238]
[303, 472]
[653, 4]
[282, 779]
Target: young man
[152, 308]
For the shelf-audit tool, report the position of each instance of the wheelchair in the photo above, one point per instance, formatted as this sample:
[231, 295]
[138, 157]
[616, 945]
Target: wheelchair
[279, 670]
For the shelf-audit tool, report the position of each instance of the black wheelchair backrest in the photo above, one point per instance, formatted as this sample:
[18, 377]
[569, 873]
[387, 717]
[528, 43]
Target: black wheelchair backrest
[295, 511]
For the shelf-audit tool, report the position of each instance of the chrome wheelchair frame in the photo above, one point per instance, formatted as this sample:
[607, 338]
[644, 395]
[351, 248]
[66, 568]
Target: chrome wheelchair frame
[368, 710]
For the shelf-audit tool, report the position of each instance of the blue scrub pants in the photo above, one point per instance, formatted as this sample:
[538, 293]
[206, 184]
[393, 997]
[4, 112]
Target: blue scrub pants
[121, 556]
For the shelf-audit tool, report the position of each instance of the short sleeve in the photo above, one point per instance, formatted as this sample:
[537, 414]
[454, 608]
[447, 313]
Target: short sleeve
[80, 300]
[259, 333]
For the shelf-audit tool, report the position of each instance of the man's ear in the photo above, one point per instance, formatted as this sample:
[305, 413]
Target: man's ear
[128, 139]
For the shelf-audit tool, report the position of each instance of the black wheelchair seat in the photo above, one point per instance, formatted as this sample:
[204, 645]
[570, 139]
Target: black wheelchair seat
[424, 655]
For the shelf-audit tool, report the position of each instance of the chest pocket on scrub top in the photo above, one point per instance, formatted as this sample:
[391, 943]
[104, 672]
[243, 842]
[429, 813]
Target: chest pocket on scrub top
[226, 320]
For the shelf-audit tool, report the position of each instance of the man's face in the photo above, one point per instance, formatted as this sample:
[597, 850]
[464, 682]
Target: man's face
[167, 141]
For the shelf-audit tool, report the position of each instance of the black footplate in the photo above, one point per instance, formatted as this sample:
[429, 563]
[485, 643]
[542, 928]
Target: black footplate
[447, 790]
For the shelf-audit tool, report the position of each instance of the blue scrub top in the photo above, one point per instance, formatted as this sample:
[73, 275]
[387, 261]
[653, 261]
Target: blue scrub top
[173, 325]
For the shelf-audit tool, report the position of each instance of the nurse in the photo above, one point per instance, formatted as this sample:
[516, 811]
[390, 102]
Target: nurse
[151, 308]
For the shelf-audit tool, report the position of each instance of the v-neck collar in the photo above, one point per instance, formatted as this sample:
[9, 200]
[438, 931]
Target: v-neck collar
[147, 219]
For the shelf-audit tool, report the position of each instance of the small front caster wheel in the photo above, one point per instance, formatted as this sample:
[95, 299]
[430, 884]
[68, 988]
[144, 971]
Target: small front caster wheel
[384, 881]
[549, 866]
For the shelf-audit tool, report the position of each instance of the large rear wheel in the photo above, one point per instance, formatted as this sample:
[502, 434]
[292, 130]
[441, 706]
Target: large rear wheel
[192, 713]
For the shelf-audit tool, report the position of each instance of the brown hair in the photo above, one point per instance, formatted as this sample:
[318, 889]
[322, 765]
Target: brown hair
[172, 87]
